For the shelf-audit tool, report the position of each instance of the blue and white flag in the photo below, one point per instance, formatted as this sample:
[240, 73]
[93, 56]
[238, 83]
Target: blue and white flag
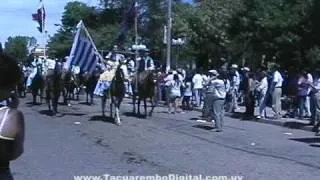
[83, 53]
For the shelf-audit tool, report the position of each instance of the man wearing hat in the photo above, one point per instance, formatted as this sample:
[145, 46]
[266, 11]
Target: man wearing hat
[146, 62]
[114, 55]
[235, 85]
[216, 94]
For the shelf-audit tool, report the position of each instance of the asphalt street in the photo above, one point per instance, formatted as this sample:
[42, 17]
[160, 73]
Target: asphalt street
[80, 142]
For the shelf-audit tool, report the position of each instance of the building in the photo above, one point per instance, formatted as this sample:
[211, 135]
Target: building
[39, 52]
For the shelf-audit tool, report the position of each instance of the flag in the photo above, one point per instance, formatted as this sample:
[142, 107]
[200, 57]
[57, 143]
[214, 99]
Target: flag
[83, 53]
[40, 17]
[128, 18]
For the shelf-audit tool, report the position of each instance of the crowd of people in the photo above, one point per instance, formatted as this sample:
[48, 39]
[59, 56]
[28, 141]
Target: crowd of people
[218, 90]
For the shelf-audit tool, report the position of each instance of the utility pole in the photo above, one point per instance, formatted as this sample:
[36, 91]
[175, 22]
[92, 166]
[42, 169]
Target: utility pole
[169, 26]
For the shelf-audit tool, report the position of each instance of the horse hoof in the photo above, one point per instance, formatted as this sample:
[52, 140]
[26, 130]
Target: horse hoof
[69, 105]
[118, 123]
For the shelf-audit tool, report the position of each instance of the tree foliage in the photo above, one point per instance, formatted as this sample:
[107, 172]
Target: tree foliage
[242, 29]
[18, 47]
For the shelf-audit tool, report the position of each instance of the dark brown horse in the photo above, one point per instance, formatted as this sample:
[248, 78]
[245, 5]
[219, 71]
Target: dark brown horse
[146, 88]
[116, 92]
[90, 81]
[54, 83]
[37, 85]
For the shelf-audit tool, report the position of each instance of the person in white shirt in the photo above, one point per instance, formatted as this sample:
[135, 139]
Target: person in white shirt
[235, 85]
[216, 94]
[197, 81]
[174, 92]
[308, 99]
[276, 91]
[262, 89]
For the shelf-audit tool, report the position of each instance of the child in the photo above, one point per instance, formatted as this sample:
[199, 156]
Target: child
[174, 92]
[187, 96]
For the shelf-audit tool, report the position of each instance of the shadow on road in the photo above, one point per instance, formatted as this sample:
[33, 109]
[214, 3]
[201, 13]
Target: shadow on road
[87, 103]
[131, 114]
[106, 119]
[30, 104]
[307, 140]
[46, 112]
[295, 125]
[50, 113]
[202, 126]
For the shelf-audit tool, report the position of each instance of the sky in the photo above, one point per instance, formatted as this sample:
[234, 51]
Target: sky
[15, 17]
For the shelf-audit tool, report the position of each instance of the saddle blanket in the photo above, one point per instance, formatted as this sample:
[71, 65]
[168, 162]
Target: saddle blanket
[104, 82]
[31, 76]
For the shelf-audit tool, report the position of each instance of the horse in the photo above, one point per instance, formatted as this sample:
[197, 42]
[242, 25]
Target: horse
[71, 88]
[53, 87]
[146, 88]
[116, 93]
[90, 81]
[37, 85]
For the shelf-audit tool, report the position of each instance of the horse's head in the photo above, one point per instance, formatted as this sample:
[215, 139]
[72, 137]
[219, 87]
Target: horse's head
[119, 75]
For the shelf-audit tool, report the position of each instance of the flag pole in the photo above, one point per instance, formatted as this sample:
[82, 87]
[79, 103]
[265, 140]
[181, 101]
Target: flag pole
[89, 36]
[136, 43]
[169, 35]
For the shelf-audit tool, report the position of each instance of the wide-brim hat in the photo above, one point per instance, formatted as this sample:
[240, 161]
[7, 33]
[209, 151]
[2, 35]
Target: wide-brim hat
[234, 66]
[246, 69]
[214, 72]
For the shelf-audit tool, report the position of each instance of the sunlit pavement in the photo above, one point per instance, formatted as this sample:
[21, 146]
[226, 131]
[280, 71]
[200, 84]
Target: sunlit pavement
[80, 142]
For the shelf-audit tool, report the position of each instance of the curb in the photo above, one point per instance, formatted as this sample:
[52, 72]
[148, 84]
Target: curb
[284, 122]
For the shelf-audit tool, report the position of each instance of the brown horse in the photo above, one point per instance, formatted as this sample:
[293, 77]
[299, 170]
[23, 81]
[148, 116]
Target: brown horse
[54, 83]
[146, 88]
[37, 85]
[116, 92]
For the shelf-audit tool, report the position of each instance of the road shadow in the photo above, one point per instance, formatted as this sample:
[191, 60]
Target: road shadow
[59, 114]
[106, 119]
[46, 112]
[307, 140]
[131, 114]
[30, 104]
[73, 114]
[203, 126]
[86, 103]
[295, 125]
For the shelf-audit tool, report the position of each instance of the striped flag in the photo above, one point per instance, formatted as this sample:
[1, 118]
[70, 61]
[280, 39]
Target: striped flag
[40, 17]
[83, 53]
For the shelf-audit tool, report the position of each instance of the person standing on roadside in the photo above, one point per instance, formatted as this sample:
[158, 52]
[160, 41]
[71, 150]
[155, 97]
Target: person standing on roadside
[216, 94]
[276, 91]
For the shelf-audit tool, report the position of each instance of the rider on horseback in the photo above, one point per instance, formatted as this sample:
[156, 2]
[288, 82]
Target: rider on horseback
[146, 62]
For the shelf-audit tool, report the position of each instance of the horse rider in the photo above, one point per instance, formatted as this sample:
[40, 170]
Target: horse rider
[114, 57]
[146, 62]
[36, 62]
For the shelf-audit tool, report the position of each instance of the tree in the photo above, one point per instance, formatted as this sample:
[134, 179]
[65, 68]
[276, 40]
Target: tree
[18, 47]
[1, 49]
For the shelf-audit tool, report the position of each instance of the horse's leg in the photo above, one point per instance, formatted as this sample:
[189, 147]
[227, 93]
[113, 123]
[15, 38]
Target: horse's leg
[48, 99]
[134, 103]
[55, 98]
[117, 104]
[153, 104]
[111, 108]
[87, 97]
[91, 97]
[145, 106]
[103, 104]
[139, 100]
[34, 95]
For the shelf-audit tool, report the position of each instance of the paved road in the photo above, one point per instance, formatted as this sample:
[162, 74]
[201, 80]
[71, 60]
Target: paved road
[58, 149]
